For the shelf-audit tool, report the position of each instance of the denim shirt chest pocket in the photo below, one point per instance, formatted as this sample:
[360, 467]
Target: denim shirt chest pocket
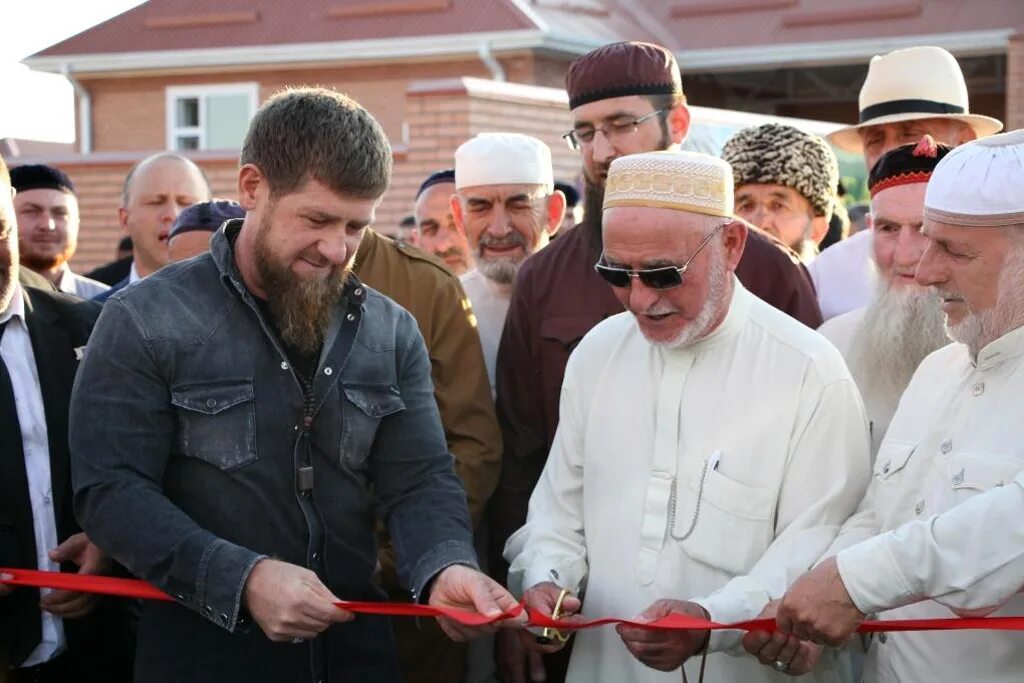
[217, 421]
[364, 406]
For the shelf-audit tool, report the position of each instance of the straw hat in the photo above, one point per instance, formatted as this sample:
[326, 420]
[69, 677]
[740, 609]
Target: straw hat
[915, 83]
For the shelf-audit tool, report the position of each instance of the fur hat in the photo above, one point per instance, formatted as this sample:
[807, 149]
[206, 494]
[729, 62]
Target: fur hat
[773, 154]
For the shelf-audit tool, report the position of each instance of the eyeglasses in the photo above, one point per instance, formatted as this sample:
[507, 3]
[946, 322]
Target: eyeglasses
[614, 130]
[655, 278]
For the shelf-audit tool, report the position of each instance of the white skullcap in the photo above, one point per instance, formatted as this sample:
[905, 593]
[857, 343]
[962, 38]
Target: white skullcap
[503, 159]
[979, 184]
[685, 181]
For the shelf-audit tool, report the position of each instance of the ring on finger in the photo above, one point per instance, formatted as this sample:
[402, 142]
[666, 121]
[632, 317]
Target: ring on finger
[780, 666]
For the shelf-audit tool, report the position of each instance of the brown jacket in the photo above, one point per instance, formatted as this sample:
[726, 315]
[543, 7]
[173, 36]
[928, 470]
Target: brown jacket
[425, 288]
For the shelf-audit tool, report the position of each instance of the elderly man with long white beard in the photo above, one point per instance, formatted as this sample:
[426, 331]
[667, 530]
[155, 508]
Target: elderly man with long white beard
[885, 341]
[947, 497]
[709, 445]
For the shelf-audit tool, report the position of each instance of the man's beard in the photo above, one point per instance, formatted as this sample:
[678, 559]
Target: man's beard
[718, 289]
[44, 263]
[301, 308]
[501, 270]
[977, 330]
[900, 327]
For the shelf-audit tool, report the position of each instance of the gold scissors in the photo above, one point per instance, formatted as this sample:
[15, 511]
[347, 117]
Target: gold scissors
[550, 635]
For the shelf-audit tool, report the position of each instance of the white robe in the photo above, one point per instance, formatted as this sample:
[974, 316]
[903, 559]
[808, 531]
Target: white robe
[878, 405]
[947, 499]
[767, 399]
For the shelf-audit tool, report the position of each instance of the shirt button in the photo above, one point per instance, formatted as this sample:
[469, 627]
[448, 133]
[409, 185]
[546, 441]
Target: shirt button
[885, 469]
[284, 365]
[350, 317]
[210, 403]
[946, 446]
[919, 508]
[316, 556]
[958, 478]
[978, 389]
[359, 291]
[328, 371]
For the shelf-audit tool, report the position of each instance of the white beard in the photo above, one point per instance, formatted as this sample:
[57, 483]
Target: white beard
[900, 327]
[718, 288]
[976, 330]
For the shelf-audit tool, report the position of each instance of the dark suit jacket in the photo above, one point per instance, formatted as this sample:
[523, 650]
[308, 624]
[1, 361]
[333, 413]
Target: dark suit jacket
[114, 289]
[113, 272]
[97, 644]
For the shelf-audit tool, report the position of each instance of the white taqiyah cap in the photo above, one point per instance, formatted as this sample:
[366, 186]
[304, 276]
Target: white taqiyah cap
[503, 159]
[979, 184]
[671, 179]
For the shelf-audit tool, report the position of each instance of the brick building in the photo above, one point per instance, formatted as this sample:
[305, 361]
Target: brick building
[187, 74]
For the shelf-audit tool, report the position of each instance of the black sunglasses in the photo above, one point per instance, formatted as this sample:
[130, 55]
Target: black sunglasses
[655, 278]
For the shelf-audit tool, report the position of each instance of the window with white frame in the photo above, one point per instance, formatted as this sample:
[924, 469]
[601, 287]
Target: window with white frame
[210, 116]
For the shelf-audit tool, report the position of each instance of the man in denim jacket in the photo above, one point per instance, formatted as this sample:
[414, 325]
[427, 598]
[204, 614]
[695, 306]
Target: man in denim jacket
[240, 416]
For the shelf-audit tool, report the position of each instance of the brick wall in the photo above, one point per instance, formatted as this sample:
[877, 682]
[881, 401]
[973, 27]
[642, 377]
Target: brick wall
[1015, 83]
[441, 114]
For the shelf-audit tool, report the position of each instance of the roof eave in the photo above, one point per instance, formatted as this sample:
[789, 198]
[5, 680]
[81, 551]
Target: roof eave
[335, 52]
[967, 43]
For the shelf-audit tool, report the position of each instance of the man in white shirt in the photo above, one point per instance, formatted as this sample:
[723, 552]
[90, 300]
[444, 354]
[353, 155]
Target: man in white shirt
[785, 183]
[506, 206]
[156, 190]
[708, 448]
[45, 635]
[907, 94]
[47, 212]
[885, 341]
[947, 495]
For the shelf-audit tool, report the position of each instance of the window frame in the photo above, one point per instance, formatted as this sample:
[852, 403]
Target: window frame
[173, 93]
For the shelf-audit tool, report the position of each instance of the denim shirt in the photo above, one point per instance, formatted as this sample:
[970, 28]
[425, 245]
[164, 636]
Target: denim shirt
[197, 451]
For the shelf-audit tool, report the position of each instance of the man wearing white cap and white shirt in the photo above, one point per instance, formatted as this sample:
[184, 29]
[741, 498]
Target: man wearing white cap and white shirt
[947, 497]
[709, 445]
[506, 205]
[907, 94]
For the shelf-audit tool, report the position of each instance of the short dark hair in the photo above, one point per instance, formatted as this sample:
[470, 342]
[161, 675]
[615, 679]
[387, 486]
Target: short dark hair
[125, 244]
[301, 134]
[666, 103]
[126, 188]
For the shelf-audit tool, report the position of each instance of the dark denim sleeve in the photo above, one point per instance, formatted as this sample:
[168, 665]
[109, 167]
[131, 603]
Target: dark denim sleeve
[419, 496]
[121, 431]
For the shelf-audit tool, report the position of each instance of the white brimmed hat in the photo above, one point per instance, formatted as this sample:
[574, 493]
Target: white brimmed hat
[915, 83]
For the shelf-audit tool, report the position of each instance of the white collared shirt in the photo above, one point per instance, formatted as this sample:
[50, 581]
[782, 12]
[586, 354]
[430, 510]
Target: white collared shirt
[16, 349]
[79, 285]
[844, 276]
[133, 274]
[947, 500]
[718, 471]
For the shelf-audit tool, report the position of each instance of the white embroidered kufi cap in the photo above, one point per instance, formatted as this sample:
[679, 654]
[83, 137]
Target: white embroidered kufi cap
[979, 184]
[503, 159]
[671, 179]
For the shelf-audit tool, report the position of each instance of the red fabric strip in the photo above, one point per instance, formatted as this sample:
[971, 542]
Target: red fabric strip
[133, 588]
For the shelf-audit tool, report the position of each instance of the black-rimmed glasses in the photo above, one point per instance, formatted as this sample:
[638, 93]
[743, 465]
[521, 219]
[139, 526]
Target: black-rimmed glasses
[655, 278]
[613, 130]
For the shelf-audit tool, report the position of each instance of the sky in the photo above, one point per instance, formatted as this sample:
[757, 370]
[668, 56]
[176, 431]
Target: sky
[39, 106]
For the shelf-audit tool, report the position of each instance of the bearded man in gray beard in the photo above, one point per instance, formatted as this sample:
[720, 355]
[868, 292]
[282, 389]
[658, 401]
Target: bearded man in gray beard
[885, 341]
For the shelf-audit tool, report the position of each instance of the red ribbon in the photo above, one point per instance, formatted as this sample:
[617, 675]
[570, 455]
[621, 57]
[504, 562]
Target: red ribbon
[133, 588]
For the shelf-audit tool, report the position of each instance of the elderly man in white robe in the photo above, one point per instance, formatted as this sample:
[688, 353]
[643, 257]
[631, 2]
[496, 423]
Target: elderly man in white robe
[885, 341]
[506, 205]
[709, 445]
[947, 497]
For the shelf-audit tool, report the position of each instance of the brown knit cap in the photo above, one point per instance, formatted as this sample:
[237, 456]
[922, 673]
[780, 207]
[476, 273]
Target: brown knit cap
[620, 69]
